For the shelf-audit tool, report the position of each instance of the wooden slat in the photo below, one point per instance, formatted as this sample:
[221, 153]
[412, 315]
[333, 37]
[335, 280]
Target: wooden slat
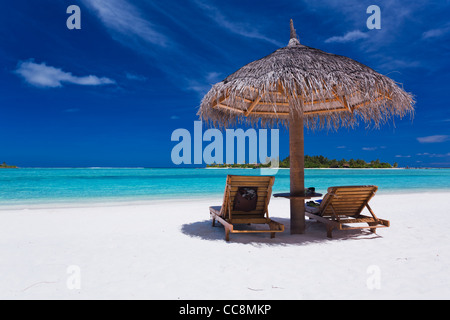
[342, 100]
[265, 113]
[359, 220]
[219, 101]
[352, 196]
[222, 106]
[259, 209]
[350, 205]
[249, 184]
[365, 187]
[249, 219]
[349, 201]
[365, 103]
[268, 179]
[353, 192]
[346, 207]
[350, 214]
[259, 206]
[261, 197]
[260, 189]
[253, 105]
[257, 231]
[337, 205]
[343, 227]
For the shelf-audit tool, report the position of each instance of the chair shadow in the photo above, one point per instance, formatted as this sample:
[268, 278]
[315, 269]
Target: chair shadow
[315, 233]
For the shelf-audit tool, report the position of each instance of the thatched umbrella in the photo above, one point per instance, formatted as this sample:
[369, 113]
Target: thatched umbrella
[301, 86]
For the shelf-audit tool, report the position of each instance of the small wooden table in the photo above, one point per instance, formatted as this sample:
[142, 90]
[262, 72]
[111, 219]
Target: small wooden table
[304, 196]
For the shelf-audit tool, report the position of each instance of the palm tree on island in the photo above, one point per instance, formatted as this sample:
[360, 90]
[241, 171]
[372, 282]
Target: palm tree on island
[5, 166]
[313, 162]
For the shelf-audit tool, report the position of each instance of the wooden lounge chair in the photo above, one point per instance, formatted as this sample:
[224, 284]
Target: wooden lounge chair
[342, 206]
[231, 213]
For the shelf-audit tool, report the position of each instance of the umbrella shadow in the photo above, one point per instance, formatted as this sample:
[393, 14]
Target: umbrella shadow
[315, 233]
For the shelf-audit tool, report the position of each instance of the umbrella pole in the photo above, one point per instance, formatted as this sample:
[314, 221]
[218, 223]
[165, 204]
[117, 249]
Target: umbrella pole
[297, 173]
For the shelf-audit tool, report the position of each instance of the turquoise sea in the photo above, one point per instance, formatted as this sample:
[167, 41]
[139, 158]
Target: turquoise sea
[45, 186]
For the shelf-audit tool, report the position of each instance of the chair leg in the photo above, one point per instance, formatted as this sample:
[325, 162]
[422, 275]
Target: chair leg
[272, 235]
[227, 234]
[329, 232]
[373, 230]
[213, 222]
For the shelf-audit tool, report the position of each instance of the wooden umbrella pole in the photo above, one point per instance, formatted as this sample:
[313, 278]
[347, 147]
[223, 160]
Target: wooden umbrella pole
[297, 173]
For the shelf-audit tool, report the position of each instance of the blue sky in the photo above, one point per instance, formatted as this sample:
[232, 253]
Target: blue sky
[112, 93]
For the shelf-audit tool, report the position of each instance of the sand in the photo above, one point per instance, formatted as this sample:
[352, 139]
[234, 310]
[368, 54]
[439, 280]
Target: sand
[169, 250]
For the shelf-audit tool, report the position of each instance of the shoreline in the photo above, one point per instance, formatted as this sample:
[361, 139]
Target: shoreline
[211, 168]
[425, 168]
[102, 203]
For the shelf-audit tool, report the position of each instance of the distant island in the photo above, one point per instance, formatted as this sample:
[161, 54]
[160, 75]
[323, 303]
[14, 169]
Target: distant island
[316, 162]
[5, 166]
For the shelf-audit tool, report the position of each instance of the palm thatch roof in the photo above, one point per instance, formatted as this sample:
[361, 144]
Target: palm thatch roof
[331, 91]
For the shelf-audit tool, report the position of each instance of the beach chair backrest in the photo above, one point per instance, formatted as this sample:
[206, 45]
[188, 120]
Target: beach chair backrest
[346, 201]
[262, 186]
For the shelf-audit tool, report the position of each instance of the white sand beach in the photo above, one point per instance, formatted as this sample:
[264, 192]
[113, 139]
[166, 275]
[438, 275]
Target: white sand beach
[169, 250]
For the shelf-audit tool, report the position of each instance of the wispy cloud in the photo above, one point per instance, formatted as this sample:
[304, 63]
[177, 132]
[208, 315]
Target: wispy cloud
[397, 64]
[130, 25]
[348, 37]
[136, 77]
[44, 76]
[434, 155]
[373, 148]
[436, 33]
[238, 28]
[434, 139]
[126, 22]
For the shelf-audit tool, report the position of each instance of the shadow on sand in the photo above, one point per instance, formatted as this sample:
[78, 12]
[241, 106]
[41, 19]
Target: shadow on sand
[315, 233]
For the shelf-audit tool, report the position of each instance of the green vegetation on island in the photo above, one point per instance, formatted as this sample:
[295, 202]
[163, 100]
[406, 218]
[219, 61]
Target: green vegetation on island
[5, 166]
[313, 162]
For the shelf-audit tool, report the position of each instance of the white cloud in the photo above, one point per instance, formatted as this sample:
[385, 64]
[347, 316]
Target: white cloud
[436, 33]
[434, 139]
[395, 64]
[126, 22]
[213, 77]
[400, 156]
[434, 155]
[370, 148]
[136, 77]
[348, 37]
[241, 29]
[43, 76]
[130, 25]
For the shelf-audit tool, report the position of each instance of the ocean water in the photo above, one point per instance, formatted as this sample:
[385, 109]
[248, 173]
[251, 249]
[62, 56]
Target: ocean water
[42, 186]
